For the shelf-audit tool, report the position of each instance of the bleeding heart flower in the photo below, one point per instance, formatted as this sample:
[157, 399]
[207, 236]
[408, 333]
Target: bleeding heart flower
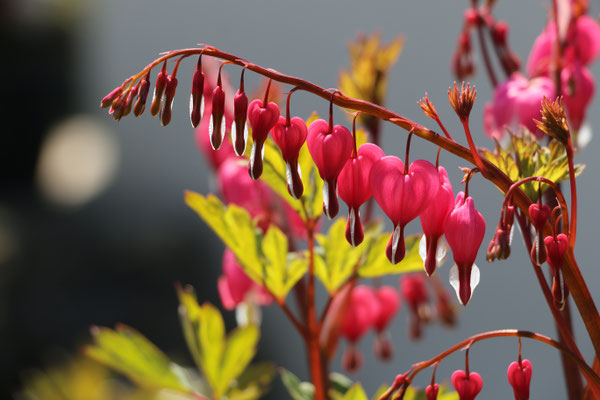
[467, 387]
[556, 247]
[262, 116]
[578, 90]
[290, 135]
[389, 304]
[354, 188]
[464, 230]
[361, 313]
[402, 195]
[414, 291]
[196, 97]
[236, 287]
[539, 214]
[432, 222]
[216, 129]
[330, 147]
[431, 391]
[519, 377]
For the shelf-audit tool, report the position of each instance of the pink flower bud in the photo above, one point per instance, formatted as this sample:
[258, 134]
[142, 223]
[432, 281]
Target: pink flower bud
[217, 126]
[109, 98]
[354, 188]
[432, 220]
[167, 104]
[464, 230]
[129, 101]
[290, 138]
[471, 17]
[240, 133]
[578, 90]
[197, 95]
[467, 387]
[116, 108]
[361, 313]
[500, 32]
[262, 118]
[159, 90]
[556, 247]
[389, 304]
[431, 391]
[330, 147]
[236, 287]
[519, 377]
[402, 195]
[140, 104]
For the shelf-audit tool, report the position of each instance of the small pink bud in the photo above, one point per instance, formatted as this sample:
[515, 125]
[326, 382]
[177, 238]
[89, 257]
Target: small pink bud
[471, 17]
[140, 104]
[117, 107]
[129, 102]
[159, 89]
[262, 118]
[330, 147]
[290, 137]
[167, 103]
[556, 247]
[519, 377]
[354, 188]
[414, 291]
[464, 230]
[402, 195]
[467, 387]
[431, 391]
[500, 32]
[197, 95]
[240, 111]
[109, 98]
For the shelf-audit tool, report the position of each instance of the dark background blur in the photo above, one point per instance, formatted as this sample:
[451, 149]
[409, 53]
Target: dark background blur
[93, 228]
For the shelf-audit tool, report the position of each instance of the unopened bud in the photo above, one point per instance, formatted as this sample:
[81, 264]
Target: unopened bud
[159, 90]
[129, 101]
[112, 96]
[471, 17]
[240, 112]
[462, 99]
[196, 98]
[117, 107]
[140, 104]
[500, 32]
[216, 131]
[167, 104]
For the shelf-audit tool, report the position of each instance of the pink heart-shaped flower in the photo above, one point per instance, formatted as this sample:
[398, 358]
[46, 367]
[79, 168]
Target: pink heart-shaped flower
[354, 188]
[539, 215]
[556, 247]
[431, 391]
[290, 139]
[402, 197]
[262, 119]
[329, 149]
[467, 387]
[519, 377]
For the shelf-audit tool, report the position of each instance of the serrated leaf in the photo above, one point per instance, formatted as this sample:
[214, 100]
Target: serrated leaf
[356, 392]
[129, 352]
[338, 258]
[377, 264]
[297, 389]
[235, 228]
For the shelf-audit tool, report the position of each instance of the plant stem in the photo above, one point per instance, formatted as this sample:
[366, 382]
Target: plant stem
[316, 363]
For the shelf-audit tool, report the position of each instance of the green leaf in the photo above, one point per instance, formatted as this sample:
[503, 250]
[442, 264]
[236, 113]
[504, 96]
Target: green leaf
[129, 352]
[297, 389]
[356, 392]
[234, 226]
[379, 392]
[338, 259]
[377, 264]
[211, 337]
[340, 383]
[254, 382]
[279, 278]
[241, 348]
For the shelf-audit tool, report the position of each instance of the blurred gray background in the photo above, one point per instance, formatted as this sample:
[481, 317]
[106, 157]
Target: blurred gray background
[114, 253]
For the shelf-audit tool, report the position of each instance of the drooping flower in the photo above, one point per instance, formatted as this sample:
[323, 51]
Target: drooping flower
[354, 188]
[414, 292]
[236, 287]
[431, 391]
[578, 91]
[556, 247]
[262, 115]
[389, 304]
[519, 377]
[432, 222]
[517, 102]
[464, 230]
[290, 135]
[402, 194]
[467, 386]
[330, 147]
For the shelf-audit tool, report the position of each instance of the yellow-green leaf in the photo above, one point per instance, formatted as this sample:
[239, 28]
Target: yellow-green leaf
[377, 263]
[241, 348]
[254, 382]
[339, 258]
[211, 336]
[129, 352]
[356, 392]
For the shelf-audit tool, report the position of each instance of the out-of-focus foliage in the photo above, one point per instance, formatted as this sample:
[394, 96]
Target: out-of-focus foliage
[526, 157]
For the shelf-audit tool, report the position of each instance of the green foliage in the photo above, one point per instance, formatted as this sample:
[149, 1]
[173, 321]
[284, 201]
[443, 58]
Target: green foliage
[221, 358]
[264, 258]
[296, 388]
[527, 157]
[377, 264]
[130, 353]
[356, 392]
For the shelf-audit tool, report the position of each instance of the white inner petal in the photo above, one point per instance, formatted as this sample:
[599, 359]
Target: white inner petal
[326, 197]
[454, 281]
[423, 249]
[191, 107]
[395, 238]
[288, 176]
[352, 219]
[210, 131]
[440, 253]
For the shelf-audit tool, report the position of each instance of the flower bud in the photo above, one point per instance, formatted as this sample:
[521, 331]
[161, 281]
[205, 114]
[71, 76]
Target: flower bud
[239, 135]
[500, 32]
[167, 103]
[290, 138]
[140, 104]
[112, 96]
[519, 377]
[471, 17]
[262, 115]
[431, 391]
[117, 107]
[361, 313]
[129, 102]
[159, 90]
[217, 125]
[196, 97]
